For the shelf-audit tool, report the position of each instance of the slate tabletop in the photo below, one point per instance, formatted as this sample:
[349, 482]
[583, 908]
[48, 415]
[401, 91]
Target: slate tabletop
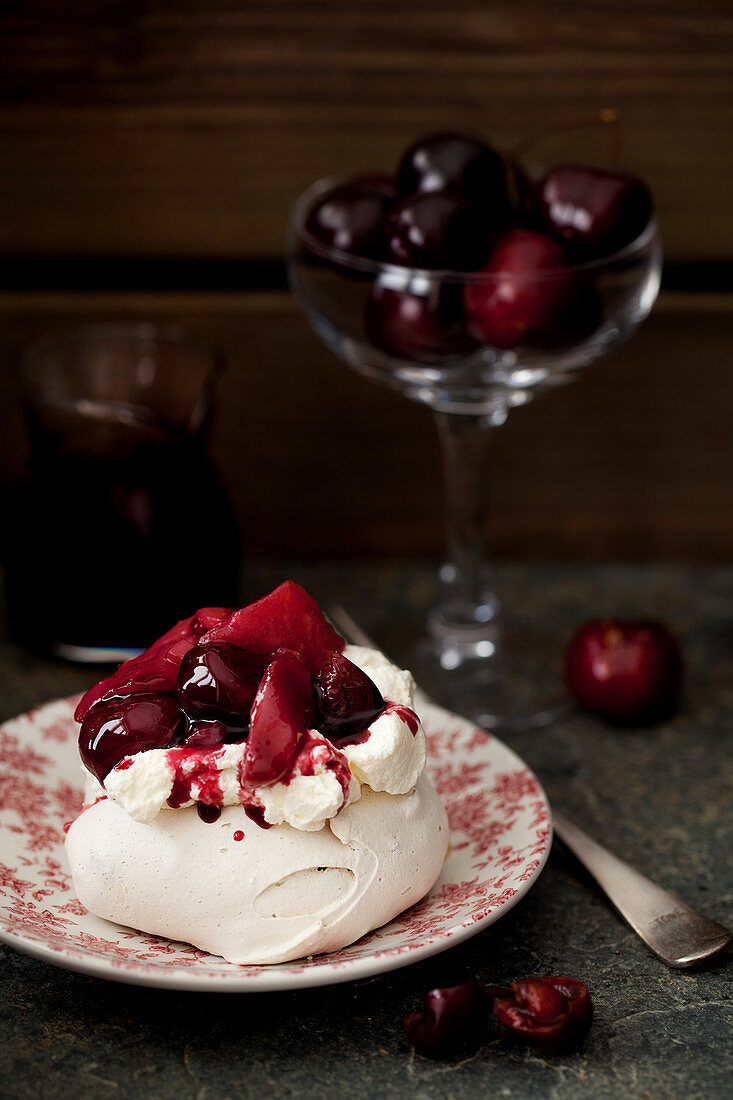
[661, 797]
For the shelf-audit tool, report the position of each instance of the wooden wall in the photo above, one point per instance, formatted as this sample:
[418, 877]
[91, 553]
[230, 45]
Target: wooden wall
[151, 149]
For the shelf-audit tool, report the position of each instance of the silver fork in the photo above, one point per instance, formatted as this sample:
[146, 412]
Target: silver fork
[678, 935]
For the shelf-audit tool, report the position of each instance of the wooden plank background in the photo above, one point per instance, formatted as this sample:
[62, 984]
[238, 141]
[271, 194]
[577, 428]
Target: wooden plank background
[187, 128]
[634, 460]
[160, 144]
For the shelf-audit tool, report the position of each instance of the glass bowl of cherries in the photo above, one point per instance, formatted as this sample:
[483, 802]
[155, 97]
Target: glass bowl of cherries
[470, 284]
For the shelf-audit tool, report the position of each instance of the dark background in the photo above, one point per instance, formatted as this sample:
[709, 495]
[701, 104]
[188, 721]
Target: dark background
[151, 150]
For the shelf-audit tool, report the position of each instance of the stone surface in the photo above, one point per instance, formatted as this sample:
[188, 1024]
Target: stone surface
[660, 797]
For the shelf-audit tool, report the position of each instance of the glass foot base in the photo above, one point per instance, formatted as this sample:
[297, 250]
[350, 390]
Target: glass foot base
[504, 693]
[518, 686]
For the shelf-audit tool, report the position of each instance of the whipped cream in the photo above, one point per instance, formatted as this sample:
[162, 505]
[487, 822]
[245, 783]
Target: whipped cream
[322, 781]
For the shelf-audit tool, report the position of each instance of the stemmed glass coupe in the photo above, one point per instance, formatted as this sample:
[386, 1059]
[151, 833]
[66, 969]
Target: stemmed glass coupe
[440, 337]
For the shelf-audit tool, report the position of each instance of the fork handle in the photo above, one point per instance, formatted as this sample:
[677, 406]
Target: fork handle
[677, 934]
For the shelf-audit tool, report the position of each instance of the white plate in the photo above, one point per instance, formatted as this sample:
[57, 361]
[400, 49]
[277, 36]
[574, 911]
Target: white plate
[500, 837]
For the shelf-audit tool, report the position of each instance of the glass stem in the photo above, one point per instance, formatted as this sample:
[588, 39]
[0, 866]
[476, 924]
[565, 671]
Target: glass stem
[465, 620]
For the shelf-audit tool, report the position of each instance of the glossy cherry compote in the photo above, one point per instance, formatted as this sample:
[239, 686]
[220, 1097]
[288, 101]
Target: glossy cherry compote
[347, 699]
[282, 711]
[219, 680]
[121, 727]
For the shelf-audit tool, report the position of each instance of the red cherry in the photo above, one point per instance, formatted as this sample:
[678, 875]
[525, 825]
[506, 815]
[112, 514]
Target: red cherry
[347, 698]
[351, 218]
[207, 733]
[282, 711]
[116, 728]
[452, 1019]
[624, 669]
[460, 162]
[550, 1013]
[595, 211]
[437, 229]
[219, 680]
[526, 293]
[423, 328]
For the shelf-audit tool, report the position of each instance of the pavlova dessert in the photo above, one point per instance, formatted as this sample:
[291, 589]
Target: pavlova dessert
[257, 788]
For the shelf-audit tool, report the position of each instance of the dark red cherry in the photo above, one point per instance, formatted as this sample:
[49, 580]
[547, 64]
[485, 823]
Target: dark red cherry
[595, 211]
[351, 218]
[526, 290]
[464, 163]
[282, 711]
[115, 728]
[347, 698]
[453, 1018]
[207, 733]
[624, 669]
[437, 229]
[424, 328]
[219, 679]
[550, 1013]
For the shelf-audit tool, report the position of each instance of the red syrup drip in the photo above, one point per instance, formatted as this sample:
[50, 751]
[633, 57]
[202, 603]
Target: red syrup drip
[238, 835]
[341, 770]
[124, 764]
[408, 716]
[326, 754]
[193, 768]
[256, 814]
[209, 814]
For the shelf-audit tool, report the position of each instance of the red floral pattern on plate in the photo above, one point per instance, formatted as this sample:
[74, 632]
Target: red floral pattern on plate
[500, 836]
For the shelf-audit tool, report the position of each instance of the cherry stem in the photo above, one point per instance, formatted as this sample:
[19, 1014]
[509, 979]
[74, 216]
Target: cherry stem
[607, 116]
[465, 620]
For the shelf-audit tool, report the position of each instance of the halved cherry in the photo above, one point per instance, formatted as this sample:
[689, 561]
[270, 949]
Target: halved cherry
[347, 698]
[116, 728]
[282, 711]
[551, 1013]
[452, 1019]
[287, 617]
